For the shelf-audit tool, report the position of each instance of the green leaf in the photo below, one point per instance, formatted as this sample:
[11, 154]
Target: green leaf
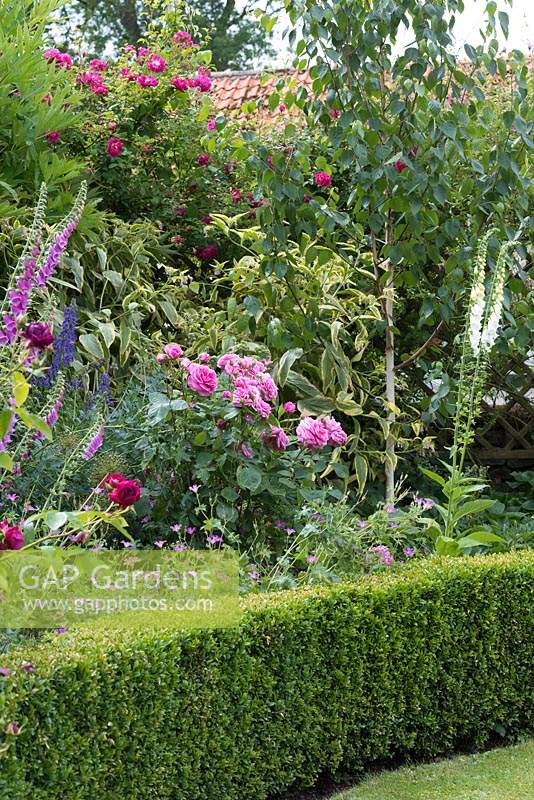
[92, 345]
[21, 388]
[473, 507]
[33, 422]
[170, 312]
[433, 476]
[55, 520]
[480, 538]
[286, 362]
[6, 462]
[5, 420]
[249, 477]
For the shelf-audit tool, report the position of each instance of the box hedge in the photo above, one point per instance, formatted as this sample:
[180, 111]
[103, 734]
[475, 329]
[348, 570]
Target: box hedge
[414, 663]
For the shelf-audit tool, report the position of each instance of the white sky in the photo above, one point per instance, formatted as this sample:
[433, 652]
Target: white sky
[467, 27]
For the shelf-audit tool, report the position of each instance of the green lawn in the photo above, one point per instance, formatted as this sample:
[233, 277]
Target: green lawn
[505, 774]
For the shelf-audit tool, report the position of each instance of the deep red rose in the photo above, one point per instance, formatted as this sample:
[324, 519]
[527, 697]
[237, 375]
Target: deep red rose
[114, 479]
[11, 538]
[38, 335]
[400, 165]
[126, 493]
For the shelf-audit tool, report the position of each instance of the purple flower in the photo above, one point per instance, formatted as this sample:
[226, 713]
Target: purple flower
[160, 543]
[389, 508]
[280, 523]
[179, 548]
[311, 559]
[27, 667]
[254, 576]
[194, 488]
[94, 445]
[409, 552]
[5, 672]
[214, 538]
[383, 553]
[126, 544]
[61, 630]
[176, 527]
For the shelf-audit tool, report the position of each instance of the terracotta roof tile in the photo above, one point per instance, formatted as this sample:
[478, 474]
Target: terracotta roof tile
[232, 89]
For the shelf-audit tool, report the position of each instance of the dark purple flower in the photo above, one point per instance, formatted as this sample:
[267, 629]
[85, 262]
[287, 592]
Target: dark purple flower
[38, 335]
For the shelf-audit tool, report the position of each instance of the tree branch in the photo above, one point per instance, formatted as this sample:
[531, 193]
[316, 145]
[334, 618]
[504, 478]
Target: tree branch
[421, 349]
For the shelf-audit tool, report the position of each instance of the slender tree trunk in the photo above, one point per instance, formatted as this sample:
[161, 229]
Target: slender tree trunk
[391, 458]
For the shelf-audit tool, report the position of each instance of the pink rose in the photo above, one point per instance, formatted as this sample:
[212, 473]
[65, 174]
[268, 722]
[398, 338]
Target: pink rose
[114, 146]
[181, 84]
[322, 179]
[98, 65]
[147, 80]
[173, 350]
[204, 358]
[161, 357]
[211, 125]
[156, 64]
[38, 335]
[53, 136]
[336, 434]
[203, 159]
[289, 407]
[183, 38]
[312, 433]
[202, 379]
[275, 439]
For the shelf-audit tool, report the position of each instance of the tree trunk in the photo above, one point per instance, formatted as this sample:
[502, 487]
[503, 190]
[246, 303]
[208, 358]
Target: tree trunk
[391, 458]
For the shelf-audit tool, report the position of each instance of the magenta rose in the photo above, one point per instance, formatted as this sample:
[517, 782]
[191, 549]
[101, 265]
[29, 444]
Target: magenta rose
[11, 537]
[336, 434]
[38, 335]
[126, 493]
[312, 434]
[275, 439]
[114, 146]
[173, 350]
[322, 179]
[289, 407]
[202, 379]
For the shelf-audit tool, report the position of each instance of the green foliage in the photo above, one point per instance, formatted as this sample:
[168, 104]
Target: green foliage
[26, 82]
[406, 665]
[235, 38]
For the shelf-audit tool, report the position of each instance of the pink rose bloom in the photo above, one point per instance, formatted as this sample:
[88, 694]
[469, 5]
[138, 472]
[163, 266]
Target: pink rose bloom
[275, 439]
[114, 146]
[204, 358]
[334, 113]
[211, 125]
[336, 434]
[112, 125]
[64, 60]
[206, 219]
[147, 80]
[98, 65]
[185, 362]
[226, 395]
[173, 350]
[202, 81]
[312, 433]
[182, 84]
[268, 387]
[161, 357]
[289, 407]
[322, 179]
[52, 54]
[400, 166]
[202, 379]
[53, 136]
[181, 211]
[203, 160]
[183, 38]
[99, 88]
[156, 64]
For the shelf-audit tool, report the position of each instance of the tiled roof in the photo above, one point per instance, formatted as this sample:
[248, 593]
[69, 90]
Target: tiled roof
[232, 89]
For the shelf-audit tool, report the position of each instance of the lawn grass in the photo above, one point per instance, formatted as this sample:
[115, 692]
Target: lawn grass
[504, 774]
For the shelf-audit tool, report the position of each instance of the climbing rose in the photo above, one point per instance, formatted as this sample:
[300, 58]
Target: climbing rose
[202, 81]
[173, 350]
[114, 479]
[157, 64]
[11, 537]
[183, 38]
[97, 65]
[400, 165]
[312, 433]
[208, 253]
[203, 159]
[211, 125]
[336, 434]
[202, 379]
[38, 335]
[275, 439]
[236, 196]
[114, 146]
[126, 493]
[182, 84]
[289, 407]
[322, 179]
[147, 80]
[53, 136]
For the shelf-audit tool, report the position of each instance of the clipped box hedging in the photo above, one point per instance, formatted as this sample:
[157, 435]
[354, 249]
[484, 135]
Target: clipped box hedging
[414, 663]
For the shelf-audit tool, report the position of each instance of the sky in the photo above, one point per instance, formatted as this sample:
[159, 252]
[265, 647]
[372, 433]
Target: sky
[521, 32]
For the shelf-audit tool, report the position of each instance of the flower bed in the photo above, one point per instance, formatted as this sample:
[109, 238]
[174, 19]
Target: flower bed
[416, 663]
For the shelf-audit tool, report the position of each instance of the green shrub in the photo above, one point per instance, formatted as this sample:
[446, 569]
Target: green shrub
[413, 664]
